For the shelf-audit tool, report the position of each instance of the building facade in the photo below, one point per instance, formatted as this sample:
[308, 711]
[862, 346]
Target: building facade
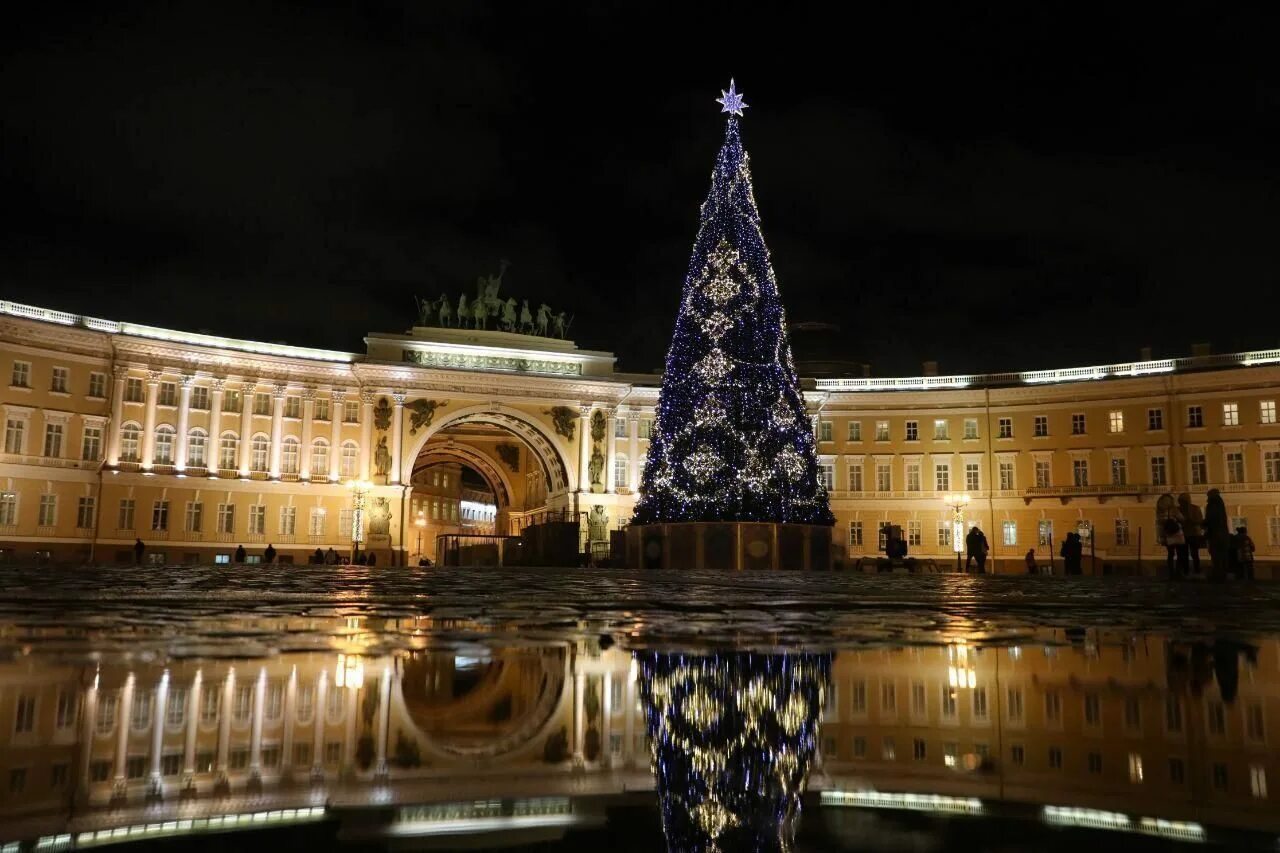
[196, 444]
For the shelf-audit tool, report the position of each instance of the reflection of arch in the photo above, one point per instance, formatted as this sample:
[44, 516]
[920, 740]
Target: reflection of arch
[534, 434]
[472, 458]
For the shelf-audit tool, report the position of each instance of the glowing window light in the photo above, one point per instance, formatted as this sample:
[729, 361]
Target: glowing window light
[938, 803]
[349, 672]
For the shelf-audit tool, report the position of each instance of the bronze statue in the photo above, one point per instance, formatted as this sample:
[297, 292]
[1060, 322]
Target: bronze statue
[422, 412]
[382, 457]
[564, 419]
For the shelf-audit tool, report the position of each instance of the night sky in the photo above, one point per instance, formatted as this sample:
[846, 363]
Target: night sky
[999, 189]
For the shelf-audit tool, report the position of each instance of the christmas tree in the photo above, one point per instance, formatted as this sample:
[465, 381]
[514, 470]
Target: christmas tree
[732, 440]
[733, 739]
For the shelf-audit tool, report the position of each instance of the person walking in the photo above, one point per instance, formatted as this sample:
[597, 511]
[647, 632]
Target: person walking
[1031, 561]
[1192, 529]
[1072, 553]
[270, 554]
[975, 544]
[239, 554]
[1170, 534]
[1217, 531]
[138, 550]
[331, 557]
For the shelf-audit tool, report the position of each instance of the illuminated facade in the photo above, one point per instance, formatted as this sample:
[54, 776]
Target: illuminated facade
[197, 444]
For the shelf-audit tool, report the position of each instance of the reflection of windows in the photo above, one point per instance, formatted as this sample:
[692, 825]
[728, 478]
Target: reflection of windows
[209, 701]
[1258, 781]
[1215, 717]
[242, 705]
[1013, 704]
[1052, 707]
[1173, 714]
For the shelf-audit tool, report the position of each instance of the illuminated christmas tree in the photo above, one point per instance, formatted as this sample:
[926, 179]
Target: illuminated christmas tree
[733, 739]
[732, 440]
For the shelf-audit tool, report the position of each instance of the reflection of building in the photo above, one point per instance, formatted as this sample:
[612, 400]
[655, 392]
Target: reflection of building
[197, 443]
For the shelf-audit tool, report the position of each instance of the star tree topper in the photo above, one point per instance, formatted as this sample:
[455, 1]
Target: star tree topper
[731, 101]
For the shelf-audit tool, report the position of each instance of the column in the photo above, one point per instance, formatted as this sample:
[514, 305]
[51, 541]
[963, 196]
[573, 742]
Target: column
[308, 413]
[158, 709]
[224, 723]
[124, 719]
[606, 724]
[584, 448]
[611, 448]
[633, 449]
[335, 436]
[88, 722]
[384, 719]
[193, 728]
[319, 710]
[349, 733]
[366, 433]
[397, 415]
[629, 718]
[213, 448]
[117, 416]
[255, 732]
[277, 429]
[246, 424]
[149, 421]
[290, 703]
[579, 722]
[184, 421]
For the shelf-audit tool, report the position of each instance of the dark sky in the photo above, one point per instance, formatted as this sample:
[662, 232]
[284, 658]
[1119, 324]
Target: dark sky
[1002, 188]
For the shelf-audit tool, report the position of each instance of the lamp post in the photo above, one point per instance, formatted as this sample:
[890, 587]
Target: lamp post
[957, 503]
[421, 523]
[359, 492]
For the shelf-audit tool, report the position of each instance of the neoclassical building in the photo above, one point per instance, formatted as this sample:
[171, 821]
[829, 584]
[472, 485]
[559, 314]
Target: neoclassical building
[196, 444]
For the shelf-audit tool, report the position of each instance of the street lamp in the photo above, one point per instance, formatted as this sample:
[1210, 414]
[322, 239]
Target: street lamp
[359, 491]
[421, 523]
[957, 503]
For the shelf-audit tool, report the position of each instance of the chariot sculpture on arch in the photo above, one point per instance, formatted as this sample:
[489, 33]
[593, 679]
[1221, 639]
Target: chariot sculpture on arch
[488, 310]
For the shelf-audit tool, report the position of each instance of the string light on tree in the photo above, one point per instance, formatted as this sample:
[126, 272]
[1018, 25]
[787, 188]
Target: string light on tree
[731, 440]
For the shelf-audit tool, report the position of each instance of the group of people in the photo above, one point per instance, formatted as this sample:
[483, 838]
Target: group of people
[1184, 529]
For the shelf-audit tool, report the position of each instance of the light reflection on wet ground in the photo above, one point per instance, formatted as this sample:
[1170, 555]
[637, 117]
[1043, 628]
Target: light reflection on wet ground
[260, 611]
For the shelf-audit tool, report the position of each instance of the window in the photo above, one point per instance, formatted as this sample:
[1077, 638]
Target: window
[646, 428]
[53, 440]
[1133, 714]
[86, 512]
[21, 376]
[1220, 776]
[913, 476]
[1173, 714]
[1095, 762]
[1053, 707]
[1055, 758]
[242, 703]
[1258, 781]
[133, 390]
[257, 518]
[91, 444]
[884, 477]
[1122, 531]
[919, 705]
[1199, 468]
[1177, 771]
[141, 718]
[1018, 754]
[887, 750]
[1195, 417]
[168, 394]
[859, 747]
[1044, 533]
[622, 471]
[882, 430]
[1267, 411]
[1041, 426]
[160, 515]
[942, 476]
[98, 385]
[200, 398]
[944, 534]
[949, 751]
[1006, 476]
[1155, 419]
[346, 523]
[261, 403]
[970, 429]
[941, 430]
[914, 535]
[1271, 466]
[913, 431]
[918, 749]
[1005, 427]
[258, 453]
[209, 702]
[289, 455]
[351, 412]
[1010, 529]
[175, 712]
[889, 697]
[824, 430]
[1080, 471]
[197, 444]
[228, 450]
[1254, 722]
[855, 477]
[130, 442]
[274, 704]
[164, 446]
[883, 538]
[293, 407]
[231, 401]
[858, 698]
[1135, 768]
[350, 459]
[319, 457]
[315, 524]
[124, 519]
[855, 431]
[1235, 467]
[58, 380]
[1014, 704]
[25, 715]
[1215, 717]
[48, 511]
[1119, 471]
[1159, 471]
[855, 533]
[1115, 421]
[14, 432]
[1230, 414]
[195, 516]
[226, 518]
[972, 476]
[321, 409]
[1077, 424]
[980, 703]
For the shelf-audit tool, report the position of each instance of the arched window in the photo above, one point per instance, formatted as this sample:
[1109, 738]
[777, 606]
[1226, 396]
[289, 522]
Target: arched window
[319, 458]
[621, 469]
[228, 450]
[130, 441]
[350, 459]
[164, 445]
[289, 455]
[258, 453]
[197, 448]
